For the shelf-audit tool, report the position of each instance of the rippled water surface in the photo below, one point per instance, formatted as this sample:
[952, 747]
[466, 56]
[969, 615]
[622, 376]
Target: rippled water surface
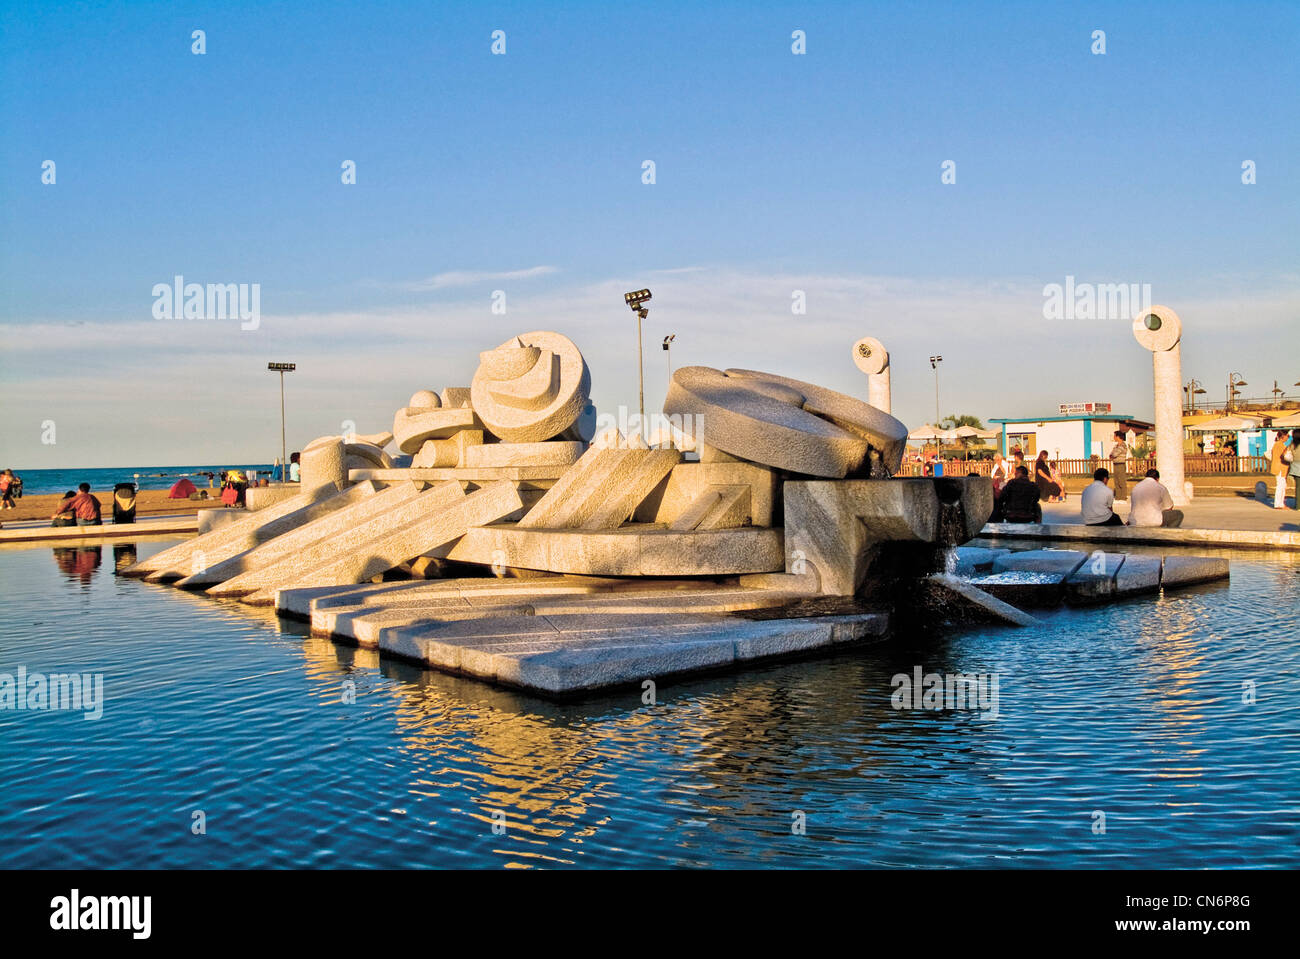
[1135, 711]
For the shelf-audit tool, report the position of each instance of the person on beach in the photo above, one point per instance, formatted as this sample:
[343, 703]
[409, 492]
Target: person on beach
[295, 470]
[1119, 463]
[1280, 459]
[11, 488]
[83, 506]
[1020, 499]
[1048, 490]
[1098, 501]
[1151, 505]
[232, 490]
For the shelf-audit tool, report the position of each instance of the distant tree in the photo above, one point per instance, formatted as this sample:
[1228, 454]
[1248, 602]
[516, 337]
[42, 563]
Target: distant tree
[954, 420]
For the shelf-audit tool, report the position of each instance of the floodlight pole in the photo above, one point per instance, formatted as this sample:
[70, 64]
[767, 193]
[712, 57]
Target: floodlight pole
[637, 301]
[284, 465]
[934, 365]
[283, 368]
[640, 370]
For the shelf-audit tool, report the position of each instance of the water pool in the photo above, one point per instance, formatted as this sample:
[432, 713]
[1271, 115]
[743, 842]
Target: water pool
[1134, 710]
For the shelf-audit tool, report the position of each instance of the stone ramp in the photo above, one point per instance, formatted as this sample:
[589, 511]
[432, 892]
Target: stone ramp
[365, 554]
[295, 543]
[197, 554]
[602, 489]
[242, 526]
[974, 603]
[336, 535]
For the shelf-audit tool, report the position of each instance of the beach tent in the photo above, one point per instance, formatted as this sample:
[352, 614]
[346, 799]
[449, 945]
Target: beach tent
[1225, 424]
[1289, 422]
[182, 489]
[926, 432]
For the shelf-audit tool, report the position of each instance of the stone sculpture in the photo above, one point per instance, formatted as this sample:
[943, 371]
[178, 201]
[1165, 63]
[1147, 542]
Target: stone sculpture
[532, 388]
[871, 357]
[1159, 330]
[787, 424]
[612, 562]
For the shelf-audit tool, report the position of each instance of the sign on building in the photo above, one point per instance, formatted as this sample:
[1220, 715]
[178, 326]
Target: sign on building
[1084, 409]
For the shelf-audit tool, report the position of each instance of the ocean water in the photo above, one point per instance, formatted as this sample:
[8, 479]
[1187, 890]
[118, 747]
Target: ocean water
[145, 477]
[1174, 722]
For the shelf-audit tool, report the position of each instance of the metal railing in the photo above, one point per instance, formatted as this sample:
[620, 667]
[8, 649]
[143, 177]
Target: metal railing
[1198, 464]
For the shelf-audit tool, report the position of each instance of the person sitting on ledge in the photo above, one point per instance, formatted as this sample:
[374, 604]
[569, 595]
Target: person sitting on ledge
[1098, 501]
[83, 506]
[68, 520]
[1151, 505]
[1019, 499]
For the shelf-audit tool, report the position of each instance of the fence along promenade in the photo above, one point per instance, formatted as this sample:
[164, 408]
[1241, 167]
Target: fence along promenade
[1197, 464]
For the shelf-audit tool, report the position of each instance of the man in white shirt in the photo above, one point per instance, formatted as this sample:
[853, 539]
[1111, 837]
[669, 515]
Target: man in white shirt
[1098, 501]
[1151, 505]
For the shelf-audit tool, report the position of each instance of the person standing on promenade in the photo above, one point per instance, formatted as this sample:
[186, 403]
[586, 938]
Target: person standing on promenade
[1119, 464]
[1017, 461]
[83, 506]
[1280, 459]
[1295, 465]
[295, 468]
[1151, 505]
[1098, 501]
[998, 473]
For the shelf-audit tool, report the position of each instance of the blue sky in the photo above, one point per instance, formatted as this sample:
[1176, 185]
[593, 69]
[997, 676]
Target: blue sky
[523, 172]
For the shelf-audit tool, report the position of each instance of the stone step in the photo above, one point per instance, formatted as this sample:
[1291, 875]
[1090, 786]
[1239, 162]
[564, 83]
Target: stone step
[630, 551]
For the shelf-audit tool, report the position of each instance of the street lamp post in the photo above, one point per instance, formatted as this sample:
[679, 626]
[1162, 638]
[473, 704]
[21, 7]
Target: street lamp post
[668, 349]
[1192, 389]
[282, 368]
[1234, 380]
[636, 300]
[934, 365]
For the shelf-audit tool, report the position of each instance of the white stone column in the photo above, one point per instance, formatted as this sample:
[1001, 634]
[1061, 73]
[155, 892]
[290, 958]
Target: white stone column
[871, 357]
[1159, 330]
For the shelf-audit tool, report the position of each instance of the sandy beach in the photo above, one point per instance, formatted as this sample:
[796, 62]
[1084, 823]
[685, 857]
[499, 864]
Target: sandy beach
[152, 502]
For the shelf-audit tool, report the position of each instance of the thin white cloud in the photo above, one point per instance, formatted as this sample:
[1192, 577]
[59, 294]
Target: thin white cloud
[455, 278]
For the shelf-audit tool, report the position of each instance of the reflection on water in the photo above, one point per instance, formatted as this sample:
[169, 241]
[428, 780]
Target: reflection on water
[78, 563]
[302, 752]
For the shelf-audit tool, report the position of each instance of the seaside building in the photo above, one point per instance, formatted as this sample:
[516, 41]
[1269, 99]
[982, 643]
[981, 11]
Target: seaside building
[1077, 431]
